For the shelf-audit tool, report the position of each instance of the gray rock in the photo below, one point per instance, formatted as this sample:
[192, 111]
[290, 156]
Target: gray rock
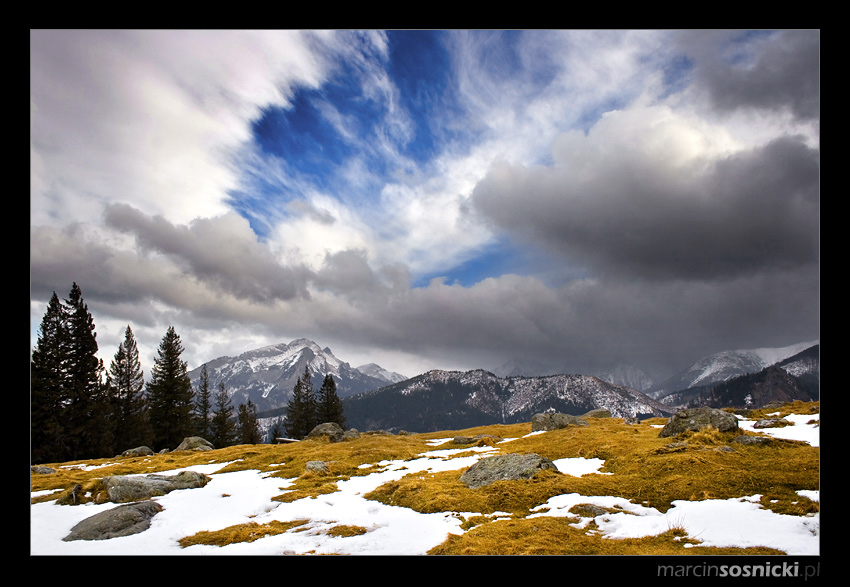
[505, 467]
[125, 488]
[123, 520]
[331, 430]
[351, 434]
[554, 421]
[695, 419]
[41, 470]
[752, 440]
[195, 443]
[318, 467]
[139, 451]
[598, 413]
[772, 423]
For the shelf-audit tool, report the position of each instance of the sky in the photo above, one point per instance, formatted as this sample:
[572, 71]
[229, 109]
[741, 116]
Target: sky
[738, 522]
[450, 199]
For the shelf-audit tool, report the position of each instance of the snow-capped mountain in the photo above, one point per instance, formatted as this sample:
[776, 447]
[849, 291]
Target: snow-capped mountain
[379, 372]
[451, 400]
[267, 375]
[727, 364]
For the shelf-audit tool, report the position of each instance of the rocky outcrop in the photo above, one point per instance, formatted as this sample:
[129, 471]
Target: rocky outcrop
[123, 520]
[555, 421]
[126, 488]
[695, 419]
[505, 467]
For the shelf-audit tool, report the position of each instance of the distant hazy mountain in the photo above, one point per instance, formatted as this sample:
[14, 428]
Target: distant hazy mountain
[267, 375]
[627, 375]
[725, 365]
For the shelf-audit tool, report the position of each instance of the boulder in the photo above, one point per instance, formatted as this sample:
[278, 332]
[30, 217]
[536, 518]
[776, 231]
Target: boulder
[41, 470]
[139, 451]
[331, 430]
[318, 467]
[123, 520]
[554, 421]
[695, 419]
[505, 467]
[125, 488]
[598, 413]
[195, 443]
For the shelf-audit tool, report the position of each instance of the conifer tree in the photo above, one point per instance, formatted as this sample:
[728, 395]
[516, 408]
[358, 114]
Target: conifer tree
[126, 378]
[48, 400]
[301, 409]
[222, 426]
[249, 426]
[87, 414]
[329, 406]
[170, 394]
[203, 405]
[277, 430]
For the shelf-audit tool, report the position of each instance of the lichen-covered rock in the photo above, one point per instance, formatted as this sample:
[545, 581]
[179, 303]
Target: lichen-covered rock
[554, 421]
[331, 430]
[695, 419]
[123, 520]
[505, 467]
[125, 488]
[139, 451]
[195, 443]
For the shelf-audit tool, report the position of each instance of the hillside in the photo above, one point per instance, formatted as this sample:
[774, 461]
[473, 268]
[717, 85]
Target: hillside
[618, 489]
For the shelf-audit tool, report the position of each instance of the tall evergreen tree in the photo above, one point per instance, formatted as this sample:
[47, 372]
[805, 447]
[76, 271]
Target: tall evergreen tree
[301, 409]
[48, 399]
[203, 405]
[329, 406]
[249, 426]
[170, 394]
[87, 416]
[126, 378]
[222, 426]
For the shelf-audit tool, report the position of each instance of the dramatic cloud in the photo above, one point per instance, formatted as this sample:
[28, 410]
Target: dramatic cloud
[431, 199]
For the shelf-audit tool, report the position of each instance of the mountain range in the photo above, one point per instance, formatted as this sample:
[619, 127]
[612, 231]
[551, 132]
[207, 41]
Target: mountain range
[375, 398]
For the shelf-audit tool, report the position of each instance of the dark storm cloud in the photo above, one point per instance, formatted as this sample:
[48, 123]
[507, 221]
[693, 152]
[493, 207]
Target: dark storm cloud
[761, 70]
[221, 251]
[626, 214]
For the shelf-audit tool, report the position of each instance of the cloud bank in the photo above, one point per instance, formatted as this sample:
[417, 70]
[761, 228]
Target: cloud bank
[431, 199]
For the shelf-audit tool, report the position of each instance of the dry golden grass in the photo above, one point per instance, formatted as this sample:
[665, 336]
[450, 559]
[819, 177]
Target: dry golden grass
[638, 466]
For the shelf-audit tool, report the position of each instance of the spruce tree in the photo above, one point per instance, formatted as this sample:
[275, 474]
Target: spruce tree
[87, 414]
[278, 430]
[48, 400]
[329, 405]
[125, 377]
[301, 409]
[203, 405]
[170, 394]
[249, 426]
[222, 426]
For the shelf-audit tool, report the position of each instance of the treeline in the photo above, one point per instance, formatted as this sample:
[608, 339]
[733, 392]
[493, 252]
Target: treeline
[80, 409]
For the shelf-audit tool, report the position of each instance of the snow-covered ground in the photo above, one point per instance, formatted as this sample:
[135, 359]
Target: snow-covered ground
[245, 496]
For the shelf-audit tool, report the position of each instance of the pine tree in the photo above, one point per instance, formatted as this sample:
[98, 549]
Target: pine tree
[301, 409]
[329, 405]
[87, 415]
[48, 437]
[249, 426]
[222, 426]
[203, 405]
[170, 394]
[125, 377]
